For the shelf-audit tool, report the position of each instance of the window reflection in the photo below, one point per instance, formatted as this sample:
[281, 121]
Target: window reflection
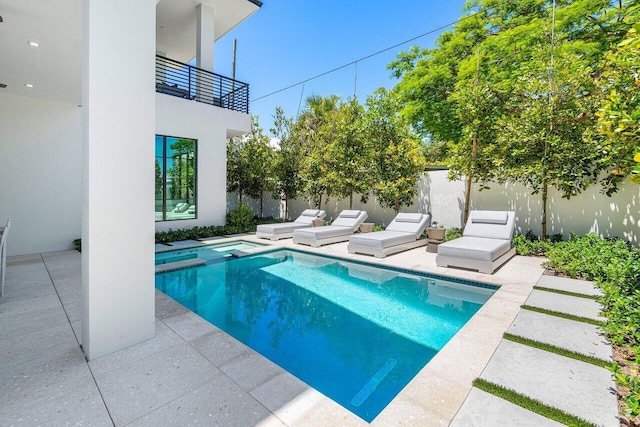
[175, 178]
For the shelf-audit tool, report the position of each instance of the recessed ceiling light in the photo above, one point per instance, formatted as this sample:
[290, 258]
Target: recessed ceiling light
[34, 44]
[29, 85]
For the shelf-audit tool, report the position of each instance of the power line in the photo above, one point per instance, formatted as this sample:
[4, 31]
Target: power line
[364, 57]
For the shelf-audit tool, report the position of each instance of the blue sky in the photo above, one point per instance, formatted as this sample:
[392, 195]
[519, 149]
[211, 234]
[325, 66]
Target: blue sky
[288, 41]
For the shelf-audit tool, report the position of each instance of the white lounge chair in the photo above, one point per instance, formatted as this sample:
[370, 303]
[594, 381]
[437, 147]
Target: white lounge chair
[403, 233]
[339, 231]
[485, 244]
[4, 232]
[285, 230]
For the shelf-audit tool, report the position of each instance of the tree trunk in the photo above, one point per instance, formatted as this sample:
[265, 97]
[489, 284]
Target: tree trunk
[286, 208]
[320, 201]
[261, 198]
[544, 210]
[397, 206]
[467, 196]
[351, 200]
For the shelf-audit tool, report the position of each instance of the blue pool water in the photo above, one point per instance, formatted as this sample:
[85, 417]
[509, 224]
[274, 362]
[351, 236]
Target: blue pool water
[208, 252]
[354, 332]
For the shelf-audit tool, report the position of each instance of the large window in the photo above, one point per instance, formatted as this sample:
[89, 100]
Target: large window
[175, 178]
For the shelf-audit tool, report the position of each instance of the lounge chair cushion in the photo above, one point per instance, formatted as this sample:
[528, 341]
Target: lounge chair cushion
[475, 248]
[324, 232]
[408, 217]
[349, 214]
[406, 223]
[350, 219]
[382, 239]
[279, 228]
[489, 217]
[490, 224]
[310, 212]
[181, 207]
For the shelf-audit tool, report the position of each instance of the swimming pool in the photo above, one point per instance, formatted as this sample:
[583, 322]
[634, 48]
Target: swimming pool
[209, 252]
[355, 332]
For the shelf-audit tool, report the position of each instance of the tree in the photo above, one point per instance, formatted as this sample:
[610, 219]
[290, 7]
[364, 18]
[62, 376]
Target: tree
[182, 171]
[619, 115]
[348, 152]
[288, 161]
[544, 109]
[307, 131]
[250, 164]
[397, 155]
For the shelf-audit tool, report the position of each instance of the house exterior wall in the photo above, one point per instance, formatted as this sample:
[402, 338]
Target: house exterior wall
[210, 126]
[40, 173]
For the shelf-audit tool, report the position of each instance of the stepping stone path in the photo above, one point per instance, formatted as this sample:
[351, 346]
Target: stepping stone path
[579, 388]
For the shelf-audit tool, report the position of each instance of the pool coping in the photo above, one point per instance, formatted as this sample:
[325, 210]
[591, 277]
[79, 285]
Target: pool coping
[436, 393]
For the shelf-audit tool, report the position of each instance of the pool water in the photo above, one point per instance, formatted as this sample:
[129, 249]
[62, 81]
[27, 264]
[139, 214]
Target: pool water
[354, 332]
[209, 252]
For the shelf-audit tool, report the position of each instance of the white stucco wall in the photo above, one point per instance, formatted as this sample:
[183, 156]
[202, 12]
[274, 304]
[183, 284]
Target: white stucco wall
[40, 173]
[209, 125]
[589, 212]
[118, 98]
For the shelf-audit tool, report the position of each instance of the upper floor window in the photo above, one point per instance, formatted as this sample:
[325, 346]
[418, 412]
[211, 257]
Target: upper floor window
[175, 178]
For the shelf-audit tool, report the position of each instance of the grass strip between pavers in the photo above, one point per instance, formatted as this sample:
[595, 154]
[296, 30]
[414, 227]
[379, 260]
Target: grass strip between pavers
[569, 293]
[563, 315]
[557, 350]
[531, 404]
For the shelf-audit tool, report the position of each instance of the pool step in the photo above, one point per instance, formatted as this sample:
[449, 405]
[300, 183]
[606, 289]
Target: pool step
[179, 265]
[372, 384]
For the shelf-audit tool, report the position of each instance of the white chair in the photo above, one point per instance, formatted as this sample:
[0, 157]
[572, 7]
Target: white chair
[485, 244]
[403, 233]
[339, 231]
[3, 254]
[284, 230]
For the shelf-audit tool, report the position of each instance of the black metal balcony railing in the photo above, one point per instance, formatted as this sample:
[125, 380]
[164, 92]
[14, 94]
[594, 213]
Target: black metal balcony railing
[178, 79]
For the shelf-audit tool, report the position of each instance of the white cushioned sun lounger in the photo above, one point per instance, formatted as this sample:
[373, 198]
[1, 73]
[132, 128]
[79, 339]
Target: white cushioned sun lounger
[339, 231]
[403, 233]
[485, 244]
[285, 230]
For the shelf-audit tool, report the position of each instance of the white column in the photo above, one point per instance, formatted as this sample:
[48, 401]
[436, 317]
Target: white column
[118, 187]
[205, 38]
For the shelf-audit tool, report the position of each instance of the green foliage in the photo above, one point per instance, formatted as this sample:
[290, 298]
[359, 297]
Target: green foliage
[452, 233]
[397, 156]
[210, 231]
[619, 117]
[529, 244]
[250, 164]
[307, 130]
[513, 96]
[348, 152]
[288, 159]
[241, 217]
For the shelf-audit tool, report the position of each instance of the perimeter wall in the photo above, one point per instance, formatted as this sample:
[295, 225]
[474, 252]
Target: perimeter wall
[589, 212]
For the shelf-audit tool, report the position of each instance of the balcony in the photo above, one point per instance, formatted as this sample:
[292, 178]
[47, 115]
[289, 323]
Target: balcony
[184, 81]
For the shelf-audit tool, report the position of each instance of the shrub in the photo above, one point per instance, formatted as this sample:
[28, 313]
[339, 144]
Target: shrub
[530, 245]
[241, 217]
[615, 266]
[452, 233]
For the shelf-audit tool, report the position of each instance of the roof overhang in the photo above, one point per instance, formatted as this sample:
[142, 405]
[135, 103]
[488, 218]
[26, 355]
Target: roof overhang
[176, 23]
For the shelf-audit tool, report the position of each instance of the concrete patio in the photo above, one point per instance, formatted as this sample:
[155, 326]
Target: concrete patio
[193, 373]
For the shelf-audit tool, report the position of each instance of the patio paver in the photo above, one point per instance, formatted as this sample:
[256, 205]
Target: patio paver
[583, 287]
[577, 306]
[580, 337]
